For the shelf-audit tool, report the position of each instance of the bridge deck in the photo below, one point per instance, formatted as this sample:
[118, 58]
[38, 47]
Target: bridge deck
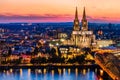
[112, 75]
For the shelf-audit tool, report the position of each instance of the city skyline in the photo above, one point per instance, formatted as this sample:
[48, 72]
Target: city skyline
[58, 11]
[59, 40]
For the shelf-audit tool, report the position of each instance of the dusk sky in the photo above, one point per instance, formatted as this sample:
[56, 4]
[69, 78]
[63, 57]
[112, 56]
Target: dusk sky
[58, 10]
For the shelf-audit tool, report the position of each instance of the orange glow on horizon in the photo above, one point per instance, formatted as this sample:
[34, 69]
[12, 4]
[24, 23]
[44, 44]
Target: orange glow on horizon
[101, 10]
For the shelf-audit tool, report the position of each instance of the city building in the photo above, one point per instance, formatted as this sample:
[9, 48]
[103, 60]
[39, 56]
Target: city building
[81, 36]
[68, 51]
[104, 43]
[62, 36]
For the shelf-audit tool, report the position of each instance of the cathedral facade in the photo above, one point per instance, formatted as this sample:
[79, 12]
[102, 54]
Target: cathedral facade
[81, 36]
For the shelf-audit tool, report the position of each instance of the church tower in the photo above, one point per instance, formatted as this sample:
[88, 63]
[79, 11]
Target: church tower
[76, 26]
[84, 21]
[81, 37]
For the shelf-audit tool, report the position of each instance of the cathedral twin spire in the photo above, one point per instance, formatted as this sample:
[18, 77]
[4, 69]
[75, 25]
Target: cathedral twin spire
[76, 14]
[84, 21]
[76, 21]
[84, 14]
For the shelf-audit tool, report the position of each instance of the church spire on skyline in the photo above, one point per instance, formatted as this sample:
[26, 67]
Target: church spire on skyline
[81, 36]
[84, 14]
[84, 21]
[76, 21]
[76, 14]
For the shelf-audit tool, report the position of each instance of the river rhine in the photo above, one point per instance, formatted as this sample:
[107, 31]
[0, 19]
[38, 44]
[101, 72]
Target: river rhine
[53, 74]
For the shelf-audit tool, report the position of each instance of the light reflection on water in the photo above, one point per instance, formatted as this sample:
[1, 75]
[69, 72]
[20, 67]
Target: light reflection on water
[51, 74]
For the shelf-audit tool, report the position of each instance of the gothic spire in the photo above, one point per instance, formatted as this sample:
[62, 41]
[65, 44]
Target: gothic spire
[84, 14]
[84, 21]
[76, 21]
[76, 14]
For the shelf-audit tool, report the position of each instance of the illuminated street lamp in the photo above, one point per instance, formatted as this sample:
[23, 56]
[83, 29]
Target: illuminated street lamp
[57, 44]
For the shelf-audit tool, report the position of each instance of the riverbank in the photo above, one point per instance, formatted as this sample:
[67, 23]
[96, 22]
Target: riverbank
[25, 66]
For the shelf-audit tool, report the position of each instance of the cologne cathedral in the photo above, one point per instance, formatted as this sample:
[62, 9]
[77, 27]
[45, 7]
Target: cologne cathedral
[81, 36]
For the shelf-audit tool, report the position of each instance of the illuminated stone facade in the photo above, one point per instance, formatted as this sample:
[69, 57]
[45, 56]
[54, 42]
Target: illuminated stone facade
[81, 36]
[104, 43]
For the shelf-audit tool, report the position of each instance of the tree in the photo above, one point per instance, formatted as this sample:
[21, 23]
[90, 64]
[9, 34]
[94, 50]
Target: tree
[81, 59]
[56, 59]
[86, 50]
[9, 51]
[38, 60]
[53, 52]
[71, 60]
[36, 50]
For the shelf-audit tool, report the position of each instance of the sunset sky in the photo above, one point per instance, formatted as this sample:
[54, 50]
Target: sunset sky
[58, 10]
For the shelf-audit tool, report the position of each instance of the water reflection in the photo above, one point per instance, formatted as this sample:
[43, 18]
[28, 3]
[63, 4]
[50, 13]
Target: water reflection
[84, 71]
[8, 73]
[52, 74]
[44, 71]
[29, 72]
[4, 71]
[76, 72]
[59, 71]
[11, 70]
[95, 70]
[64, 71]
[39, 71]
[69, 70]
[21, 72]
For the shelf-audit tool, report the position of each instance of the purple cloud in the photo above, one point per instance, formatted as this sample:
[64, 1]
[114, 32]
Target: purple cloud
[33, 17]
[46, 18]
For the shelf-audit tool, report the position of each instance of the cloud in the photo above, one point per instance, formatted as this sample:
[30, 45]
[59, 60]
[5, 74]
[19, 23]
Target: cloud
[35, 18]
[103, 19]
[32, 16]
[50, 18]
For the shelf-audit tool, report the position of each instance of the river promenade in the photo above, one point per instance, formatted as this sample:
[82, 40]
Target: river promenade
[49, 65]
